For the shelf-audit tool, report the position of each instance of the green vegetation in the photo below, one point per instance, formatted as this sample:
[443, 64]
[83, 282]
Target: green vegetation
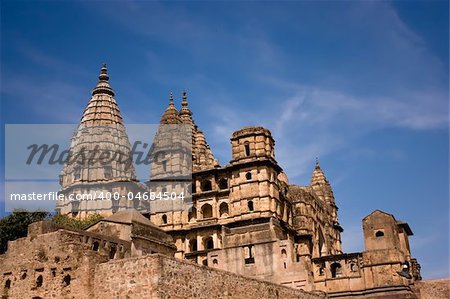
[15, 225]
[66, 221]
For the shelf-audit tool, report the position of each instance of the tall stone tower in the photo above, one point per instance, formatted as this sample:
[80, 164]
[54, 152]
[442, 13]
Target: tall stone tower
[171, 167]
[99, 175]
[255, 190]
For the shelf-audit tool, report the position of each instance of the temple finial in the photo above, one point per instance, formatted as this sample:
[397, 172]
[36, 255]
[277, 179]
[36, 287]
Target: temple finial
[317, 162]
[103, 73]
[171, 99]
[103, 86]
[184, 101]
[184, 111]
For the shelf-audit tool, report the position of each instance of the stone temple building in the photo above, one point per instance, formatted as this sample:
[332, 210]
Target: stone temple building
[242, 231]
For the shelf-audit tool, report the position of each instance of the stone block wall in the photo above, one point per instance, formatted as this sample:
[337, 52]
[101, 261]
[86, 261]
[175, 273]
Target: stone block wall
[52, 265]
[157, 276]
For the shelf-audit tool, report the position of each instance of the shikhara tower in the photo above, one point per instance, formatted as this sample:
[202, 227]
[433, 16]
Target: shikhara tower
[101, 163]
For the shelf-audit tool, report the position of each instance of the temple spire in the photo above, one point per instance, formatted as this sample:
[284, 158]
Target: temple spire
[185, 111]
[170, 116]
[318, 177]
[102, 108]
[103, 73]
[320, 184]
[103, 86]
[171, 102]
[184, 101]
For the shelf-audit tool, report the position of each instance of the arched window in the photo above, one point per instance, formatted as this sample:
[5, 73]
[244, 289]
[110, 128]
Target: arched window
[107, 171]
[66, 280]
[77, 172]
[321, 243]
[192, 215]
[249, 255]
[8, 284]
[164, 219]
[379, 234]
[223, 184]
[215, 262]
[223, 209]
[75, 208]
[95, 246]
[207, 211]
[248, 176]
[283, 253]
[321, 271]
[208, 243]
[247, 149]
[193, 245]
[112, 252]
[39, 281]
[114, 205]
[336, 270]
[206, 185]
[205, 262]
[250, 205]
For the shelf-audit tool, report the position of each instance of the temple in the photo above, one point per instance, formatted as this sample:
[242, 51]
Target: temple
[244, 217]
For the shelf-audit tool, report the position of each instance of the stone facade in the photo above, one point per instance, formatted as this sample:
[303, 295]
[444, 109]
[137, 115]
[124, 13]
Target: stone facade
[243, 217]
[103, 262]
[163, 277]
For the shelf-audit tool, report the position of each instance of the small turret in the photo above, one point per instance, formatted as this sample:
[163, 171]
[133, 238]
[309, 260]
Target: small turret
[252, 143]
[320, 184]
[170, 116]
[185, 112]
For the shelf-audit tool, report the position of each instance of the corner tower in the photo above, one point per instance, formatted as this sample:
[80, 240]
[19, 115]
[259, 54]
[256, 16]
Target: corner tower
[255, 190]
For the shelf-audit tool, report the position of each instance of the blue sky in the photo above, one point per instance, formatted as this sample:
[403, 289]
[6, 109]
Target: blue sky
[361, 85]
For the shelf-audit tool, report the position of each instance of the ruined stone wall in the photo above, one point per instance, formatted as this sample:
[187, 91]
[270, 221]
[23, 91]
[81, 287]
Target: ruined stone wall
[53, 265]
[433, 289]
[157, 276]
[342, 276]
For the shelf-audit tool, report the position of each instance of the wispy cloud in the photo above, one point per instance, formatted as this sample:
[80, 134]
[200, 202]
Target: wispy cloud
[44, 100]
